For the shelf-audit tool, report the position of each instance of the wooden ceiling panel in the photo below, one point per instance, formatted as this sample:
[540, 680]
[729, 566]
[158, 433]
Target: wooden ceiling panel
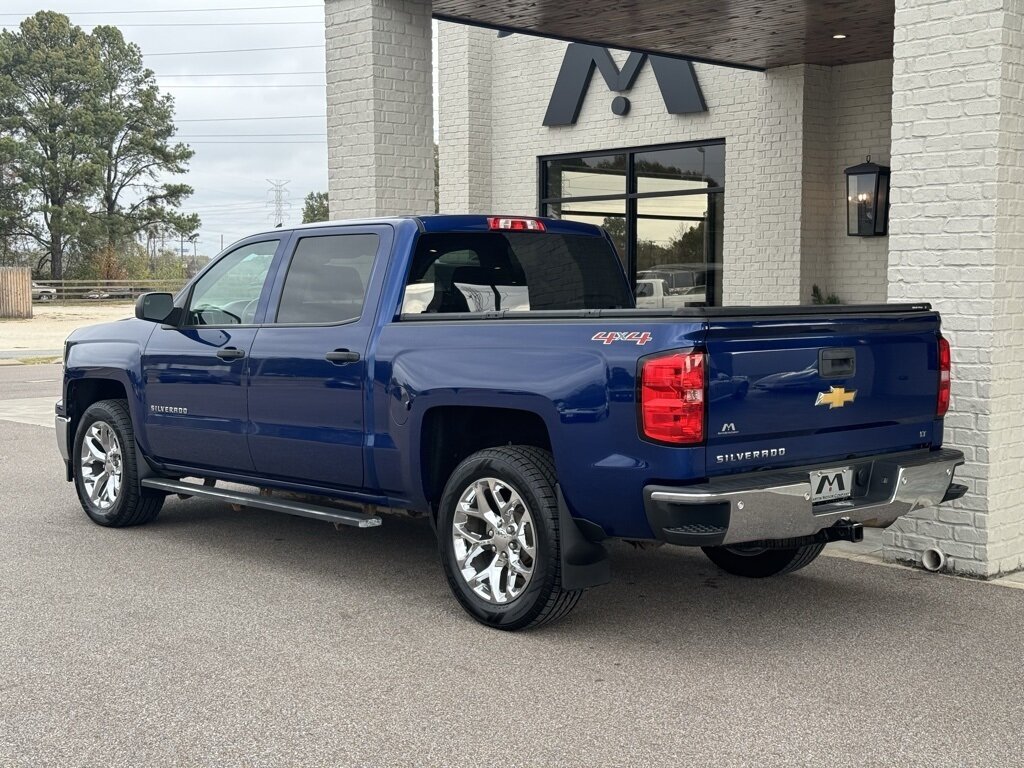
[770, 33]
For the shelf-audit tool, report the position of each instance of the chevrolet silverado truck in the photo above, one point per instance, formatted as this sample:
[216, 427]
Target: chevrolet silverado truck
[494, 375]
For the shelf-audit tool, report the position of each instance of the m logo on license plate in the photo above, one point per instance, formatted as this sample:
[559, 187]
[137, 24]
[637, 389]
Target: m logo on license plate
[831, 485]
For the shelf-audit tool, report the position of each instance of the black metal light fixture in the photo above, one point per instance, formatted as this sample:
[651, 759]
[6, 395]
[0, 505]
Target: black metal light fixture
[867, 199]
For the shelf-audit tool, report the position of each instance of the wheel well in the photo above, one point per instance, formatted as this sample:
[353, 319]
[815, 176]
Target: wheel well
[83, 393]
[451, 434]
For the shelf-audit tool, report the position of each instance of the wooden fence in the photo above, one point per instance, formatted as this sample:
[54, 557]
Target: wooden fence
[87, 291]
[15, 292]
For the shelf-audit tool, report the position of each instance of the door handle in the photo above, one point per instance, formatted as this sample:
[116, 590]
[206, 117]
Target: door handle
[230, 353]
[342, 356]
[837, 363]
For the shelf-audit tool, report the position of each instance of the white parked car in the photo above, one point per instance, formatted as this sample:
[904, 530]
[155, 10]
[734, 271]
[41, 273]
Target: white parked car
[653, 293]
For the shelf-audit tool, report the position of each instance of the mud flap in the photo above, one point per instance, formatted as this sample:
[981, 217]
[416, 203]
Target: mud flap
[584, 562]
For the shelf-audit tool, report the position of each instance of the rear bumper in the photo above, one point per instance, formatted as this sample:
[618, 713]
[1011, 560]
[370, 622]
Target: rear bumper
[764, 506]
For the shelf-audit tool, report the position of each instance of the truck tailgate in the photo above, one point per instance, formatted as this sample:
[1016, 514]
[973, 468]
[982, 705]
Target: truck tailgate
[791, 389]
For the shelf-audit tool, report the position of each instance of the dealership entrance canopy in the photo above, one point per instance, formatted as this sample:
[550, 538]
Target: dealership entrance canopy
[742, 33]
[712, 140]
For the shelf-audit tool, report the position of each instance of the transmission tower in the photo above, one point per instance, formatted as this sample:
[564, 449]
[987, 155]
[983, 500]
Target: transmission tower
[277, 200]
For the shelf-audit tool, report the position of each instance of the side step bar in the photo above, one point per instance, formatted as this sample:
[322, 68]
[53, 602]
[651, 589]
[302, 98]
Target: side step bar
[288, 506]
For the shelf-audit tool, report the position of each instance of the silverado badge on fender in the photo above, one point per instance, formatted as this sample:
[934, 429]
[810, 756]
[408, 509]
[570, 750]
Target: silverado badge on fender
[836, 397]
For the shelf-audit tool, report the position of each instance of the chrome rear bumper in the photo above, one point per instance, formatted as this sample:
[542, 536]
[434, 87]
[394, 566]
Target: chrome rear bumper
[760, 506]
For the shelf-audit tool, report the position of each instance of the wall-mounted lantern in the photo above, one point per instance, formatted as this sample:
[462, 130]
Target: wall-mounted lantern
[867, 199]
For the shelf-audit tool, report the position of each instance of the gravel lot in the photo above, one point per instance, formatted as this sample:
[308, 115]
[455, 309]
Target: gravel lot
[220, 638]
[52, 323]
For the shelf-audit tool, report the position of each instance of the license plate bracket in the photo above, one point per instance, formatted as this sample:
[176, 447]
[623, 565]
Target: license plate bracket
[831, 484]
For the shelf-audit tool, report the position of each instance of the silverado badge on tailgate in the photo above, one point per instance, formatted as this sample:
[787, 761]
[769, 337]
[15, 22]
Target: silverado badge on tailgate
[836, 397]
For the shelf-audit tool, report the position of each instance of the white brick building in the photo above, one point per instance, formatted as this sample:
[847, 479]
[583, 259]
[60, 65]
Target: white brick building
[934, 90]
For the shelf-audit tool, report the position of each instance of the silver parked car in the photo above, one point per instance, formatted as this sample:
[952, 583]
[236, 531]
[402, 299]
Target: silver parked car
[42, 293]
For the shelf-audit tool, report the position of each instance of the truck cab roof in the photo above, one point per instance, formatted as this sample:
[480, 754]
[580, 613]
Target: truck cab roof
[447, 223]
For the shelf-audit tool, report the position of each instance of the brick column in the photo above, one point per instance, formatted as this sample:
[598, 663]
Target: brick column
[465, 119]
[956, 240]
[379, 107]
[765, 258]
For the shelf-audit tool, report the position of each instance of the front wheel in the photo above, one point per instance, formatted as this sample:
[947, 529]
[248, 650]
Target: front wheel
[498, 534]
[759, 563]
[106, 472]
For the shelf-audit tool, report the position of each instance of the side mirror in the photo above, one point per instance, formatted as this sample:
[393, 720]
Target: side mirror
[154, 307]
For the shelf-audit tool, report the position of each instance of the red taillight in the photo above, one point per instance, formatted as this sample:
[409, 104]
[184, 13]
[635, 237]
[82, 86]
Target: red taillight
[672, 398]
[515, 225]
[945, 366]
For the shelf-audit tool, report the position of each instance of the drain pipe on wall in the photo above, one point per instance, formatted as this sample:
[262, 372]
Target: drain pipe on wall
[933, 560]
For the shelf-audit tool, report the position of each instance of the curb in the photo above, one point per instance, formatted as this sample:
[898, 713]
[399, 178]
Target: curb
[873, 559]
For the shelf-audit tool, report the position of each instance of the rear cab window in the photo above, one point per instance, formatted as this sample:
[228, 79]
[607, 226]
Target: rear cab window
[454, 272]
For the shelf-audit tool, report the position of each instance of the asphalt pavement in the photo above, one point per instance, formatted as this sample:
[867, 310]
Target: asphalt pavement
[222, 638]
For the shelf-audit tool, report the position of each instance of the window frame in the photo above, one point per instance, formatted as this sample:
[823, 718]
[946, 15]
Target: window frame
[631, 196]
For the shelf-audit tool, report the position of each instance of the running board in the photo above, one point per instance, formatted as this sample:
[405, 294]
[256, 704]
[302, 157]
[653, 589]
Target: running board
[288, 506]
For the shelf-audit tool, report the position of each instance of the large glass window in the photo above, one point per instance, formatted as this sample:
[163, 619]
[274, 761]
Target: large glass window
[662, 206]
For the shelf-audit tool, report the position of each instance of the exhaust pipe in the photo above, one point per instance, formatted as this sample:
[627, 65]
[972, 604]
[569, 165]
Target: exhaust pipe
[933, 559]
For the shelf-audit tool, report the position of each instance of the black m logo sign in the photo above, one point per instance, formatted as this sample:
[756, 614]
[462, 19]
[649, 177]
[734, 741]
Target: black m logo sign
[676, 79]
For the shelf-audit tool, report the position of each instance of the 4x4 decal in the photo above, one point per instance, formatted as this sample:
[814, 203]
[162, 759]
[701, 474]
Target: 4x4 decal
[610, 337]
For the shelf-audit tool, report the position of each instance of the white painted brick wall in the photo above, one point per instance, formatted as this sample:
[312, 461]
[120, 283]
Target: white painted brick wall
[379, 107]
[464, 117]
[817, 179]
[789, 133]
[857, 268]
[957, 216]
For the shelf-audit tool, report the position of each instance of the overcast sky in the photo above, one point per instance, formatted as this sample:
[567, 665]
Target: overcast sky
[229, 171]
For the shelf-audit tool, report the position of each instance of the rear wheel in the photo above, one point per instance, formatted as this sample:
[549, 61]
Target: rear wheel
[759, 562]
[498, 533]
[106, 473]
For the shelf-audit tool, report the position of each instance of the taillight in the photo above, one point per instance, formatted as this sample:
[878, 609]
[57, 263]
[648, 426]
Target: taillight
[945, 367]
[515, 225]
[672, 398]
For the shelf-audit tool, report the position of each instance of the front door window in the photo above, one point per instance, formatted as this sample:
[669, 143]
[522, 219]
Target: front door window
[229, 292]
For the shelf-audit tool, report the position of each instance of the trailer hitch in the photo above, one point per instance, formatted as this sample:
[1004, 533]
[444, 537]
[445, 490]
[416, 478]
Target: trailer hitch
[842, 530]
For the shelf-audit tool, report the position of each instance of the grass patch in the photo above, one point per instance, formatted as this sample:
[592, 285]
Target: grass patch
[38, 360]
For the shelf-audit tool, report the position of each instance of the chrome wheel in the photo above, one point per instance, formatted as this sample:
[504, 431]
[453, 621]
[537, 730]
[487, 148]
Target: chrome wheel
[495, 540]
[101, 462]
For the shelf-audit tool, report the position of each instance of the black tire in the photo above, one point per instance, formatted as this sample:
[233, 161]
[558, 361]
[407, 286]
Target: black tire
[761, 563]
[134, 505]
[531, 472]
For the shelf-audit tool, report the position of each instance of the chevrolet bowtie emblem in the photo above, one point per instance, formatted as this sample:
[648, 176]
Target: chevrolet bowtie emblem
[836, 397]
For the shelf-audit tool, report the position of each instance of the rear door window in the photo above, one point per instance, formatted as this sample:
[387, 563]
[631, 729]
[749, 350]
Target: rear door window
[519, 272]
[327, 279]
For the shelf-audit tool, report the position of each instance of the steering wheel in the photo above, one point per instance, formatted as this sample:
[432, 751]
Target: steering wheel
[249, 312]
[200, 312]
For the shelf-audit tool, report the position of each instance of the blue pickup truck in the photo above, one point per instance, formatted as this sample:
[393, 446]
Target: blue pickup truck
[494, 375]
